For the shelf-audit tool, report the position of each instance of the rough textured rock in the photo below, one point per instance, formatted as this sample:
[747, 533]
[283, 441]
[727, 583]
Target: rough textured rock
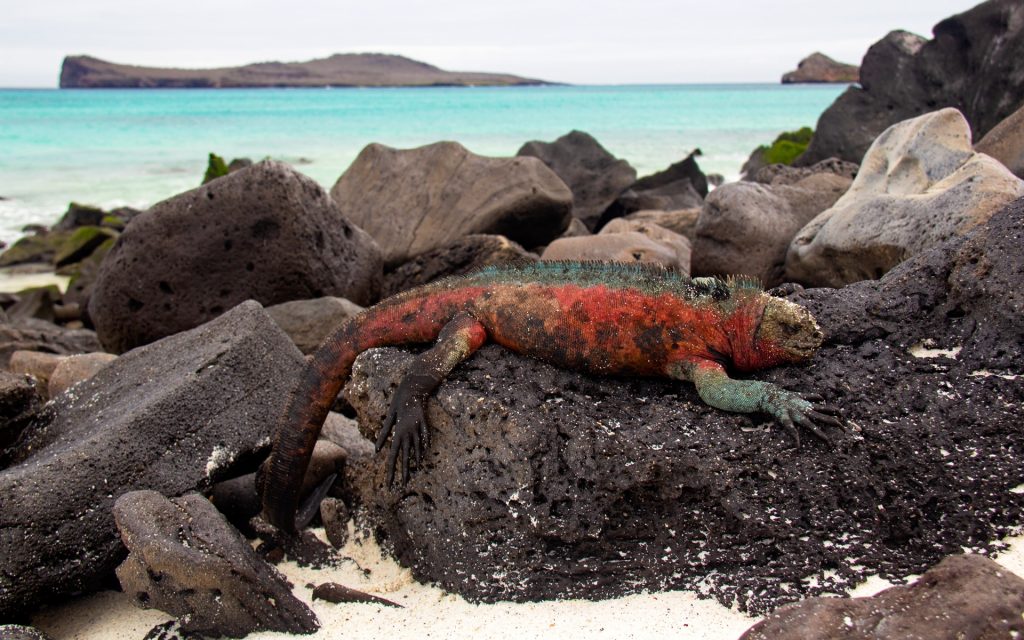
[185, 559]
[630, 246]
[18, 632]
[415, 200]
[681, 186]
[307, 322]
[174, 416]
[71, 370]
[40, 335]
[746, 227]
[344, 432]
[678, 243]
[784, 174]
[265, 233]
[595, 176]
[964, 596]
[818, 67]
[682, 221]
[1005, 142]
[920, 184]
[460, 256]
[38, 364]
[19, 403]
[335, 515]
[974, 62]
[37, 302]
[541, 482]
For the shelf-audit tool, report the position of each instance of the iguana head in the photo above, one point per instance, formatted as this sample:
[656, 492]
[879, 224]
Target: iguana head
[787, 333]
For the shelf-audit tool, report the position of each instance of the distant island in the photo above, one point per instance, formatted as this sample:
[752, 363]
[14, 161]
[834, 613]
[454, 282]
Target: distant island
[819, 68]
[339, 70]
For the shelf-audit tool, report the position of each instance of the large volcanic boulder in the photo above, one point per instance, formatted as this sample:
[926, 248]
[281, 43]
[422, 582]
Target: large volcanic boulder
[746, 227]
[543, 483]
[1005, 142]
[920, 184]
[975, 63]
[681, 186]
[595, 176]
[173, 416]
[415, 200]
[265, 233]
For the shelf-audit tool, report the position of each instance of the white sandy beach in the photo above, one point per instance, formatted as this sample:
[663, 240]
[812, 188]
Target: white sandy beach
[430, 612]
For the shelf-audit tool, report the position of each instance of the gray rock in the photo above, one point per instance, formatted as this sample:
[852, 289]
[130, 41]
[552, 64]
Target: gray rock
[18, 632]
[39, 335]
[776, 174]
[458, 257]
[674, 241]
[975, 63]
[1005, 142]
[415, 200]
[185, 559]
[19, 403]
[818, 67]
[173, 416]
[682, 221]
[344, 432]
[595, 176]
[265, 233]
[307, 322]
[746, 227]
[964, 596]
[681, 186]
[335, 515]
[920, 184]
[541, 482]
[628, 247]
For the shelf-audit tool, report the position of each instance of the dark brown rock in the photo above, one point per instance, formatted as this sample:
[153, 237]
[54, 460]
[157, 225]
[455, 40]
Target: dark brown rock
[461, 256]
[819, 68]
[775, 174]
[185, 559]
[37, 302]
[541, 482]
[1005, 142]
[79, 215]
[265, 233]
[307, 322]
[174, 416]
[415, 200]
[335, 515]
[18, 632]
[681, 186]
[595, 176]
[19, 403]
[964, 596]
[337, 593]
[974, 62]
[39, 335]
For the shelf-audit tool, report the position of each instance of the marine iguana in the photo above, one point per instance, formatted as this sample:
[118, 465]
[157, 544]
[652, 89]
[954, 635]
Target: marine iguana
[599, 317]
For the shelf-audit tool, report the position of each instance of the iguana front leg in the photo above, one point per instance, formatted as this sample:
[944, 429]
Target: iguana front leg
[718, 390]
[406, 414]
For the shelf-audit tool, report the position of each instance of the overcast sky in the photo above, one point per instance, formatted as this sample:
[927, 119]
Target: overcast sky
[577, 41]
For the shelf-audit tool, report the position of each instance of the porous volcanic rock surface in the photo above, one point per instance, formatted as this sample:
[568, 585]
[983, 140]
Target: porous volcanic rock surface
[545, 483]
[184, 558]
[974, 62]
[174, 416]
[265, 233]
[414, 200]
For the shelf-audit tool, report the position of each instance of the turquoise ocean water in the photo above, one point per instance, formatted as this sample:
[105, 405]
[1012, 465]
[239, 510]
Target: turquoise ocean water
[136, 147]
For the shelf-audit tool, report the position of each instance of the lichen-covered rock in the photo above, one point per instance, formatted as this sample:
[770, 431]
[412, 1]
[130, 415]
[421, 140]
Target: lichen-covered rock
[265, 233]
[415, 200]
[80, 244]
[307, 322]
[541, 482]
[40, 247]
[974, 62]
[458, 257]
[173, 416]
[629, 246]
[920, 183]
[746, 227]
[185, 559]
[595, 176]
[1005, 142]
[964, 596]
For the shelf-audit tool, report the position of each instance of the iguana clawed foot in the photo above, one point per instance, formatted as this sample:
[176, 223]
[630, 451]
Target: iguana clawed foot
[790, 410]
[406, 417]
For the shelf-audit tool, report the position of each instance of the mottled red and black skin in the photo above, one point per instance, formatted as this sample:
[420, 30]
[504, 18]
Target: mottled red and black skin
[598, 317]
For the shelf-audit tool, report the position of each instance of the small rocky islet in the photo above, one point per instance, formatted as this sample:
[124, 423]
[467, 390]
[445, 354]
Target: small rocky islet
[150, 381]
